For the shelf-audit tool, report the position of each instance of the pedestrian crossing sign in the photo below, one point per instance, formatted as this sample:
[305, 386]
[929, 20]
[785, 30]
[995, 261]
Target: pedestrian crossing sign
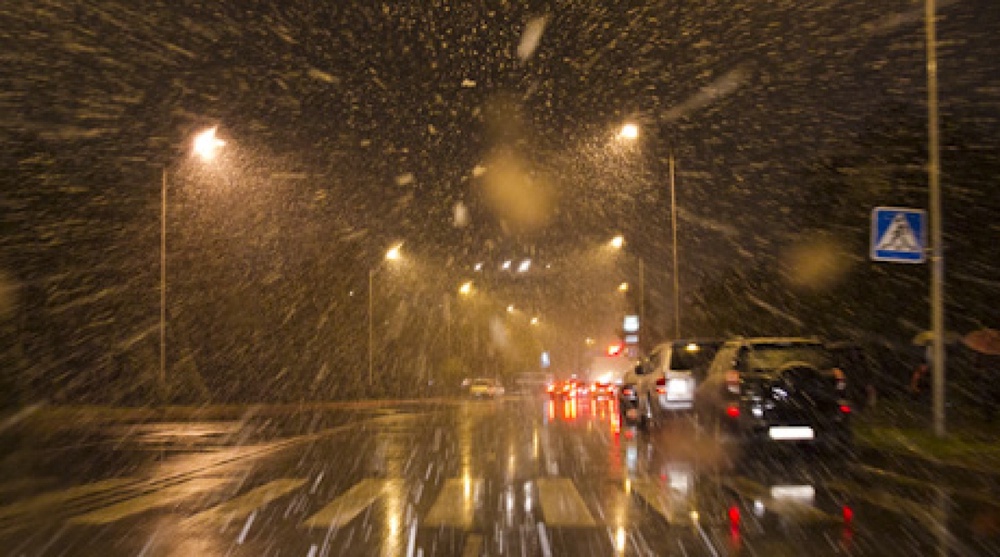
[899, 235]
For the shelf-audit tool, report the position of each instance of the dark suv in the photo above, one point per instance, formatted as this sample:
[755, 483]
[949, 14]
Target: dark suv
[776, 389]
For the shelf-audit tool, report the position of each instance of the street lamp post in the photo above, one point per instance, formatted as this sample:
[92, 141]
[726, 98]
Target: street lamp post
[937, 252]
[205, 146]
[673, 227]
[630, 132]
[392, 254]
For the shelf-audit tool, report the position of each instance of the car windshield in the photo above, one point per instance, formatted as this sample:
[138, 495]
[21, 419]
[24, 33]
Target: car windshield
[341, 278]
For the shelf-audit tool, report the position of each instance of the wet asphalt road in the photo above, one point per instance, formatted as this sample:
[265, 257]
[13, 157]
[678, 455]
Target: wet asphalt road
[521, 476]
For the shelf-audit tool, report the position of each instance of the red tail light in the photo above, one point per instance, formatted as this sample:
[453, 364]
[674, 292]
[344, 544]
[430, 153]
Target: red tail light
[734, 517]
[848, 515]
[661, 386]
[733, 411]
[845, 409]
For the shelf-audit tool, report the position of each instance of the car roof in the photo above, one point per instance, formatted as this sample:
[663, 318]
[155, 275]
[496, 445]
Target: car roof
[777, 340]
[686, 341]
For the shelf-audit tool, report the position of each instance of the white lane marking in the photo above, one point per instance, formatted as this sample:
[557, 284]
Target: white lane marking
[456, 504]
[473, 546]
[241, 507]
[159, 498]
[45, 501]
[669, 504]
[562, 504]
[345, 508]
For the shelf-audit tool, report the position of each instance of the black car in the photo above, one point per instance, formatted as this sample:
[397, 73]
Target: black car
[784, 390]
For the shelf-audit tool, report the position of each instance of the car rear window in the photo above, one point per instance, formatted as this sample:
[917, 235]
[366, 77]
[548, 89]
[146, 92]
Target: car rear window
[695, 357]
[769, 357]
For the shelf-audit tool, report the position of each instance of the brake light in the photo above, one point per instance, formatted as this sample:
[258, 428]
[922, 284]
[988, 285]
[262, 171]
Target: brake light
[661, 386]
[848, 515]
[733, 411]
[845, 409]
[628, 391]
[733, 381]
[734, 517]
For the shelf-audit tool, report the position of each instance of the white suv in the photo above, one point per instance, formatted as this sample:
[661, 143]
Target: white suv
[665, 382]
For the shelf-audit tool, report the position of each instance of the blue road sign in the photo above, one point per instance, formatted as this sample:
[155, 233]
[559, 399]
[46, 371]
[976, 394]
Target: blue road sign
[899, 235]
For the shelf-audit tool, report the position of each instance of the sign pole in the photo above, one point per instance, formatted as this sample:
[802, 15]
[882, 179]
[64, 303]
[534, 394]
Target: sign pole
[937, 256]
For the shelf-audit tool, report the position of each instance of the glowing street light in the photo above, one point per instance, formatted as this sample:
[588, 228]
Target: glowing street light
[510, 308]
[206, 145]
[629, 131]
[534, 321]
[623, 287]
[466, 288]
[618, 242]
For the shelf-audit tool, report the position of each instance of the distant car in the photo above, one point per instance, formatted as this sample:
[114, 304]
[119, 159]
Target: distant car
[570, 388]
[665, 382]
[783, 390]
[485, 388]
[602, 390]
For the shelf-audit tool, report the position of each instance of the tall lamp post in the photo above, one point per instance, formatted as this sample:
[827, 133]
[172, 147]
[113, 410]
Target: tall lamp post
[205, 146]
[630, 132]
[392, 254]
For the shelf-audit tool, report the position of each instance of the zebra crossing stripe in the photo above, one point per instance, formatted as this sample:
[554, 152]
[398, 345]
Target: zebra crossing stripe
[562, 504]
[345, 508]
[473, 546]
[664, 501]
[241, 507]
[159, 498]
[54, 499]
[456, 504]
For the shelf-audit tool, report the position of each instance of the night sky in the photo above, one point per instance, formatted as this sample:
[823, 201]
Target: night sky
[472, 131]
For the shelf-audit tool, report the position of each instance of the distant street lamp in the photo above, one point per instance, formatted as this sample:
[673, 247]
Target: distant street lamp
[466, 288]
[618, 242]
[204, 146]
[392, 254]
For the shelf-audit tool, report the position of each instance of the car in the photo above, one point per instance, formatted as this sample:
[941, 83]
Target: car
[569, 388]
[483, 387]
[602, 390]
[775, 389]
[664, 383]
